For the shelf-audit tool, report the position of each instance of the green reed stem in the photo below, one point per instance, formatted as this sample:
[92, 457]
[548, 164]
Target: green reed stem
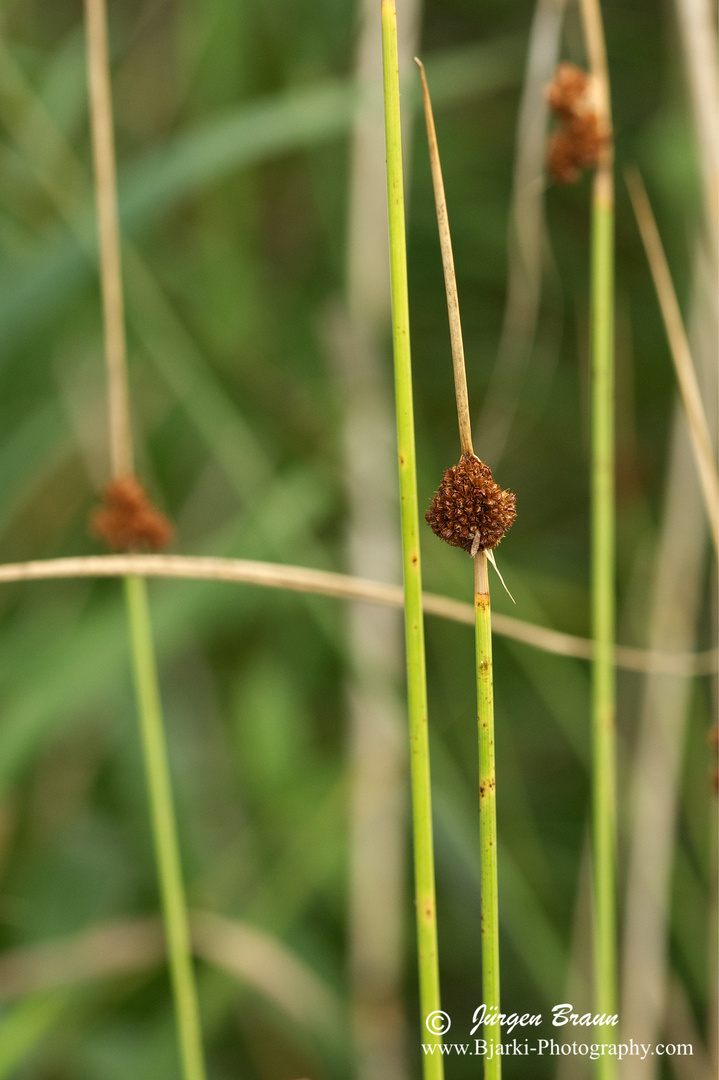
[603, 559]
[414, 626]
[603, 614]
[164, 828]
[489, 901]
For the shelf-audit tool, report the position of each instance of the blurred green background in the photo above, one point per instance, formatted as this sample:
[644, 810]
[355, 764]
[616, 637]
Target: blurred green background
[261, 397]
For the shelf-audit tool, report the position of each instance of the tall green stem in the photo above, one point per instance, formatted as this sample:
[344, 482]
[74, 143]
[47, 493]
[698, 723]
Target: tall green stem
[414, 626]
[603, 617]
[603, 559]
[489, 910]
[164, 829]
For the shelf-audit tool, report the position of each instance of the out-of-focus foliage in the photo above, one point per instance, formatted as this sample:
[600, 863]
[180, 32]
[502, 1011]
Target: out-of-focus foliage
[232, 125]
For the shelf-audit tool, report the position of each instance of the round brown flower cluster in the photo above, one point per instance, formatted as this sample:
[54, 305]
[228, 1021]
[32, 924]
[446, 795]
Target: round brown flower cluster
[578, 142]
[127, 520]
[469, 510]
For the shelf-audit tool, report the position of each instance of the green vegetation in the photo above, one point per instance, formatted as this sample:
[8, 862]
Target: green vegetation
[233, 143]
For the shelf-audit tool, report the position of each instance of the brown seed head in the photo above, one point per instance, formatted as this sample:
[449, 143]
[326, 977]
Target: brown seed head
[568, 92]
[127, 520]
[580, 138]
[562, 159]
[469, 508]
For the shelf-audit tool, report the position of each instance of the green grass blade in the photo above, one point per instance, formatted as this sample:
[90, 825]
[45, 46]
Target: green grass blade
[25, 1025]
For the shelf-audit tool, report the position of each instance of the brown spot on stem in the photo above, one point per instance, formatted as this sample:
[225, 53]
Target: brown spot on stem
[127, 520]
[470, 505]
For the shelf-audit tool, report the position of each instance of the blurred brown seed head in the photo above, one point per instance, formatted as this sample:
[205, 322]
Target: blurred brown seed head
[562, 158]
[127, 520]
[470, 504]
[580, 138]
[568, 92]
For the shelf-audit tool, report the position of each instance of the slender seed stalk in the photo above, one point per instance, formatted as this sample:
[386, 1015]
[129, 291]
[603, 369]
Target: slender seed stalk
[121, 460]
[450, 280]
[487, 812]
[103, 144]
[164, 828]
[414, 627]
[603, 548]
[489, 903]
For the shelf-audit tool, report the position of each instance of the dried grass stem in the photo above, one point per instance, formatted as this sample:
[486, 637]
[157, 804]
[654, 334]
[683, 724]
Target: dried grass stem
[450, 281]
[344, 587]
[118, 398]
[679, 348]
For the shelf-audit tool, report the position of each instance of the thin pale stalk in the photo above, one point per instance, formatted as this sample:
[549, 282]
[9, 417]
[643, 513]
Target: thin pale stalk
[487, 814]
[118, 397]
[450, 280]
[121, 462]
[164, 829]
[414, 628]
[326, 583]
[696, 21]
[679, 348]
[528, 250]
[593, 28]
